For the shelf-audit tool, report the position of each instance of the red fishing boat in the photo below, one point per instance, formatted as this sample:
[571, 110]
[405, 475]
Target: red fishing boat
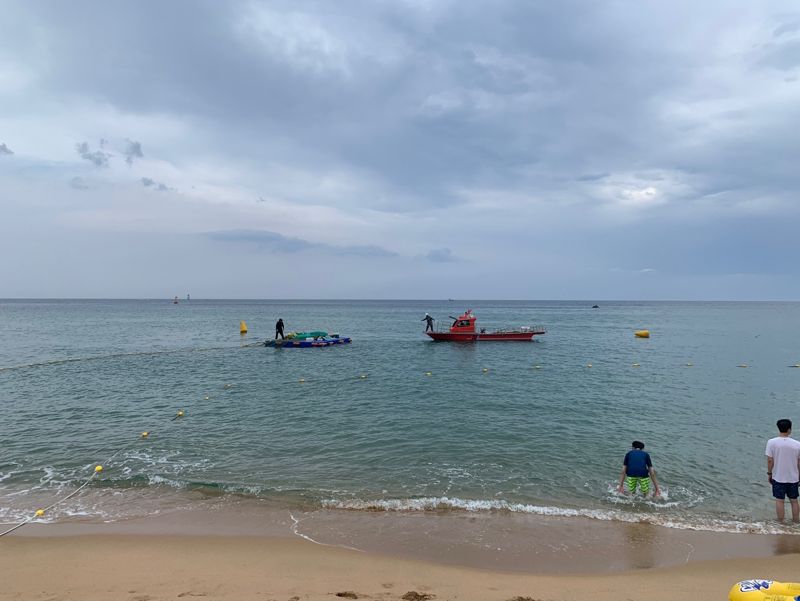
[464, 330]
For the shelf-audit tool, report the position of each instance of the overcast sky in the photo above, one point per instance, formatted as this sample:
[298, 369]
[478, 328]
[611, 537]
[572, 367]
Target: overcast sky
[506, 150]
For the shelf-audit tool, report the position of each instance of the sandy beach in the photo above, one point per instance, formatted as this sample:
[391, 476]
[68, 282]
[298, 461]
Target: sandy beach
[150, 568]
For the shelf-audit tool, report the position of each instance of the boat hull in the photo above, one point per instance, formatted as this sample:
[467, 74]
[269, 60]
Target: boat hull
[484, 336]
[297, 343]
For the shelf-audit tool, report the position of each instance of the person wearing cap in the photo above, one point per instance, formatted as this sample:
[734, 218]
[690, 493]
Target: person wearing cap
[429, 320]
[637, 471]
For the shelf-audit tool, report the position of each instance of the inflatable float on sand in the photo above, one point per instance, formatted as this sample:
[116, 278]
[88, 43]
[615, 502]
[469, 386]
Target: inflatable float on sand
[765, 590]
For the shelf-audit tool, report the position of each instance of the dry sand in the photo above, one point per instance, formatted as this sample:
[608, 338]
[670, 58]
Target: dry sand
[236, 568]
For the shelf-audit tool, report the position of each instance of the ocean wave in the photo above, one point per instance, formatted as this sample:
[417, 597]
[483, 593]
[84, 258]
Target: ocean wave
[439, 504]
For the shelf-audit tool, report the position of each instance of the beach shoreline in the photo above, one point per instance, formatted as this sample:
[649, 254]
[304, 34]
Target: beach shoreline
[511, 543]
[155, 567]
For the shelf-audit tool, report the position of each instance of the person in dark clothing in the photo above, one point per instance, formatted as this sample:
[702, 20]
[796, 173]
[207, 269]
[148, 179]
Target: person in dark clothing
[637, 471]
[279, 329]
[429, 321]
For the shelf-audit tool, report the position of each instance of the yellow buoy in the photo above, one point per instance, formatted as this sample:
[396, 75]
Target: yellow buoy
[642, 333]
[427, 373]
[39, 513]
[301, 380]
[242, 327]
[485, 369]
[145, 434]
[742, 365]
[179, 414]
[98, 469]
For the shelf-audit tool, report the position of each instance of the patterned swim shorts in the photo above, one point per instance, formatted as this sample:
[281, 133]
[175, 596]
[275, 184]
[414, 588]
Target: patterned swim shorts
[632, 482]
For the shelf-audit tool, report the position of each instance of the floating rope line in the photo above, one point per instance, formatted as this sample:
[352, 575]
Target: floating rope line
[97, 470]
[41, 512]
[66, 360]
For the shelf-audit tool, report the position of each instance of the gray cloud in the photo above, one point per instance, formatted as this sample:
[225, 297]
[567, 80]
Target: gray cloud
[148, 182]
[78, 183]
[5, 149]
[133, 150]
[592, 177]
[97, 157]
[602, 127]
[273, 242]
[788, 27]
[441, 255]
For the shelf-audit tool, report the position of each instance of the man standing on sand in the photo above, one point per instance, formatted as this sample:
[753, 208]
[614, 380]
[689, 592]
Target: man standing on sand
[783, 469]
[637, 471]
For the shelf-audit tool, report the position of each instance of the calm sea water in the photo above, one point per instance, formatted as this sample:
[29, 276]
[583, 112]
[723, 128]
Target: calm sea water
[500, 427]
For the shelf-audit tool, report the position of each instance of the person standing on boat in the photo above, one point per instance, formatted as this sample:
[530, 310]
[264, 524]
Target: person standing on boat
[279, 329]
[429, 320]
[637, 471]
[783, 469]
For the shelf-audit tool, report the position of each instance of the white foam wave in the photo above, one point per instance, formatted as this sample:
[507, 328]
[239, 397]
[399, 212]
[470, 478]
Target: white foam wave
[480, 505]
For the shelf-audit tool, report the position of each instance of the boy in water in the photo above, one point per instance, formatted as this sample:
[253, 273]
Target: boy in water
[637, 471]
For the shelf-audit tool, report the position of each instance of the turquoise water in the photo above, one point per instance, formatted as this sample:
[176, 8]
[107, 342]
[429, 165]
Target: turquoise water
[486, 431]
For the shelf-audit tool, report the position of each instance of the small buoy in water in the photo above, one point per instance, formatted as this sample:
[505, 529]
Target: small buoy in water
[145, 434]
[485, 369]
[427, 373]
[242, 327]
[642, 333]
[588, 365]
[301, 380]
[39, 513]
[636, 365]
[795, 365]
[363, 376]
[742, 365]
[98, 469]
[688, 365]
[206, 397]
[227, 385]
[179, 414]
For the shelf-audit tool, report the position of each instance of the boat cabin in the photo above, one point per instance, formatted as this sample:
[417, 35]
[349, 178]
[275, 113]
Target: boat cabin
[464, 323]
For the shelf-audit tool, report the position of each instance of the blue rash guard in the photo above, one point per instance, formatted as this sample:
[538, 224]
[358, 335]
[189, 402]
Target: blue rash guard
[636, 463]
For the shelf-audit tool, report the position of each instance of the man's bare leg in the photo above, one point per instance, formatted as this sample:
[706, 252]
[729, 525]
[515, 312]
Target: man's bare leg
[779, 509]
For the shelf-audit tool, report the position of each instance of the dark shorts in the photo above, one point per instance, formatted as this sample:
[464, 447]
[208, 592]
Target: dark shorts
[781, 490]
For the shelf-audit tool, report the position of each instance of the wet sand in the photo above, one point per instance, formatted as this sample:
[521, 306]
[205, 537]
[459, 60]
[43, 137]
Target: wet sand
[157, 567]
[487, 541]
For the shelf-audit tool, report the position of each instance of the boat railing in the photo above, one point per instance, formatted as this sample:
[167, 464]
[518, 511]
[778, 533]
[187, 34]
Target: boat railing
[443, 325]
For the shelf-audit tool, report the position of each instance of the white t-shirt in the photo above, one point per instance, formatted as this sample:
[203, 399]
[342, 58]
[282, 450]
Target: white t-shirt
[785, 453]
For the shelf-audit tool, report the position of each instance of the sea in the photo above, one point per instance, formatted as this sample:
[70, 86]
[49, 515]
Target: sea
[394, 423]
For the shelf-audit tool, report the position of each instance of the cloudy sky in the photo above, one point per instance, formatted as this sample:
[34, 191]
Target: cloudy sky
[404, 149]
